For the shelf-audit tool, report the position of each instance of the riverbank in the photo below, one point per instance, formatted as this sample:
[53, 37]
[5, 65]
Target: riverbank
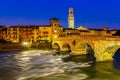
[23, 49]
[19, 46]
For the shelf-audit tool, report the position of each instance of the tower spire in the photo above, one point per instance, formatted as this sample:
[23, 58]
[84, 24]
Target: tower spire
[71, 18]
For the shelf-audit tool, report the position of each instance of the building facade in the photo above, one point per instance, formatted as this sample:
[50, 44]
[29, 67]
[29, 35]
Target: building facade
[33, 34]
[46, 33]
[3, 33]
[13, 34]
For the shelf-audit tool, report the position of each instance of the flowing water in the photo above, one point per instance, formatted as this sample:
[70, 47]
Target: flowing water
[40, 65]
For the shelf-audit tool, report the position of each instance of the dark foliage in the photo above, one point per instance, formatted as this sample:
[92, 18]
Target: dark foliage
[117, 33]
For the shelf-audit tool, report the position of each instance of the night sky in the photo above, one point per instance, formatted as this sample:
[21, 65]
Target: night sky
[89, 13]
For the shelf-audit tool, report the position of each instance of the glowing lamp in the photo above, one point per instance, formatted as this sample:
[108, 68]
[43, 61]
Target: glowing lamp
[25, 43]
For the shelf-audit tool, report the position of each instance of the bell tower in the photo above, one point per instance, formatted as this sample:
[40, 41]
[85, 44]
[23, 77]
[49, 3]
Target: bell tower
[71, 18]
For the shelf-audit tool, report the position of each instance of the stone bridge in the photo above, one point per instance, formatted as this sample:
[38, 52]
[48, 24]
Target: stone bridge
[103, 48]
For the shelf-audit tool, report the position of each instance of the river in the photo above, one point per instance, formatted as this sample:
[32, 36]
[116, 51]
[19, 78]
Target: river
[38, 65]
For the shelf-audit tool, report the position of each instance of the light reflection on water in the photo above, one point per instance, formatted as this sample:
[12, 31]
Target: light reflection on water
[38, 65]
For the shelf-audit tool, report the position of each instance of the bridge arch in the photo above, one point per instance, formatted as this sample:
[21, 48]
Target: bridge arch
[116, 56]
[66, 47]
[88, 51]
[116, 51]
[86, 47]
[56, 46]
[109, 53]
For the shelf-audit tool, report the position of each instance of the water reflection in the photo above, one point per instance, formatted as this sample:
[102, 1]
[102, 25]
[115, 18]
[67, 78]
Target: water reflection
[116, 64]
[34, 64]
[9, 68]
[79, 58]
[116, 59]
[42, 65]
[90, 57]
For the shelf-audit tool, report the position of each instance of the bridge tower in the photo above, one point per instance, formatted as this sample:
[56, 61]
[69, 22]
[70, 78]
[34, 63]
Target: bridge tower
[71, 18]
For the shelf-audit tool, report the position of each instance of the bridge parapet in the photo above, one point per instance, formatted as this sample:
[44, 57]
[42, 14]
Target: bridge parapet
[88, 38]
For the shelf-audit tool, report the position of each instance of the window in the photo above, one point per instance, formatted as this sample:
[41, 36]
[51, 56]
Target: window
[14, 32]
[45, 35]
[45, 32]
[55, 31]
[15, 29]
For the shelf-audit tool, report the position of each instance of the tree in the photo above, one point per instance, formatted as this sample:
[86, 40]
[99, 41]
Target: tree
[117, 33]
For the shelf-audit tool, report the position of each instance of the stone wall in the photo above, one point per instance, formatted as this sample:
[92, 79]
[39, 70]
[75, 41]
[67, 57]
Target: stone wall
[45, 46]
[104, 47]
[12, 46]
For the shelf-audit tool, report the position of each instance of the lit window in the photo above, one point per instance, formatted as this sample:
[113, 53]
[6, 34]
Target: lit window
[55, 31]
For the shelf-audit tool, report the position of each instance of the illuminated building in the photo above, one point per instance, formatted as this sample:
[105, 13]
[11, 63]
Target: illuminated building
[33, 34]
[48, 32]
[42, 33]
[45, 33]
[25, 33]
[13, 34]
[3, 32]
[56, 28]
[71, 18]
[81, 28]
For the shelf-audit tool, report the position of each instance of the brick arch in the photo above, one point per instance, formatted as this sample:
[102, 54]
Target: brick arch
[85, 45]
[109, 52]
[66, 47]
[113, 49]
[88, 50]
[116, 55]
[90, 53]
[56, 46]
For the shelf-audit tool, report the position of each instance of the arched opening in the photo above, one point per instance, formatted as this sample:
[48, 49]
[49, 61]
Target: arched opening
[56, 47]
[90, 53]
[108, 53]
[116, 59]
[66, 47]
[116, 56]
[73, 42]
[87, 50]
